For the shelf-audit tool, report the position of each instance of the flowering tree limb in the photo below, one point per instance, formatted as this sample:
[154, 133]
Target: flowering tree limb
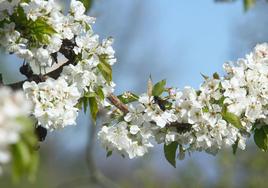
[223, 112]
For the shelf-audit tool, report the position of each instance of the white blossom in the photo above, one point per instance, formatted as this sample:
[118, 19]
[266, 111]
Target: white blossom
[13, 105]
[54, 102]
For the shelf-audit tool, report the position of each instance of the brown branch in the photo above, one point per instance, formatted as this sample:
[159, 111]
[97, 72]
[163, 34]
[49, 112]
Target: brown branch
[117, 103]
[66, 49]
[38, 78]
[181, 127]
[55, 74]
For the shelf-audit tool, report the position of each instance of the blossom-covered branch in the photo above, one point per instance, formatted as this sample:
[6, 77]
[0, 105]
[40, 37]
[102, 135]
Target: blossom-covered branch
[223, 112]
[38, 31]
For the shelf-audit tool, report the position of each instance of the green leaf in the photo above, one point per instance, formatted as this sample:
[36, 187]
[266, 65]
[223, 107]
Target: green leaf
[25, 158]
[79, 105]
[33, 167]
[105, 69]
[249, 4]
[170, 153]
[100, 93]
[235, 146]
[41, 25]
[204, 76]
[87, 4]
[198, 92]
[231, 118]
[85, 104]
[128, 97]
[220, 101]
[216, 76]
[21, 160]
[17, 167]
[24, 153]
[205, 109]
[93, 107]
[109, 153]
[36, 32]
[26, 122]
[159, 88]
[39, 31]
[261, 138]
[89, 94]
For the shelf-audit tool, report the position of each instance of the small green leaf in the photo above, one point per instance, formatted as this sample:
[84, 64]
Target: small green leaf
[39, 31]
[249, 4]
[220, 101]
[26, 122]
[216, 76]
[17, 167]
[24, 153]
[204, 76]
[79, 104]
[89, 94]
[85, 104]
[265, 129]
[93, 107]
[128, 97]
[170, 153]
[100, 93]
[41, 25]
[261, 138]
[87, 4]
[205, 109]
[109, 153]
[21, 160]
[198, 92]
[231, 118]
[33, 167]
[159, 88]
[235, 146]
[105, 69]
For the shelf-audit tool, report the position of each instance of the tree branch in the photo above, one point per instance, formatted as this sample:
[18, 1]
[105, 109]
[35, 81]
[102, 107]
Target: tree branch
[67, 50]
[117, 103]
[39, 78]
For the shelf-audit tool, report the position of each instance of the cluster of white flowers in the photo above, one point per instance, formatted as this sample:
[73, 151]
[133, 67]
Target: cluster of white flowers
[220, 114]
[36, 29]
[54, 102]
[16, 38]
[13, 106]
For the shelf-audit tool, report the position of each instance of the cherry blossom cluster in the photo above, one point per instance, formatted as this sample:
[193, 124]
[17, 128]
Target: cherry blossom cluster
[13, 106]
[37, 31]
[220, 114]
[54, 102]
[15, 37]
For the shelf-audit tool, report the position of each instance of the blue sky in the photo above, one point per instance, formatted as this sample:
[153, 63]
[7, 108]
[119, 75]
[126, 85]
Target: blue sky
[174, 39]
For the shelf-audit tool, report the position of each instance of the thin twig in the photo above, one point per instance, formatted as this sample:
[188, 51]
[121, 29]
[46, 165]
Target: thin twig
[117, 103]
[1, 80]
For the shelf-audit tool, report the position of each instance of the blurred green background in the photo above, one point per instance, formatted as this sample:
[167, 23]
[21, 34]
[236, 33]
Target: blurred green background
[176, 40]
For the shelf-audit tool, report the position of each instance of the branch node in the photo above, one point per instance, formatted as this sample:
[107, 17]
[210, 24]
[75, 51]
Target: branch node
[116, 102]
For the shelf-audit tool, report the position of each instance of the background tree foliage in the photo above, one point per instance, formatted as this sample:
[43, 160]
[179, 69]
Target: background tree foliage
[247, 3]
